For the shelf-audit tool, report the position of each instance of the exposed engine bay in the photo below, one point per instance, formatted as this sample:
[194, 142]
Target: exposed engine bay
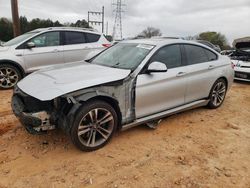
[242, 52]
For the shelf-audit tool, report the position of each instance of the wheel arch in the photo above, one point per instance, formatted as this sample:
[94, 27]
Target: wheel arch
[111, 101]
[69, 109]
[222, 77]
[225, 79]
[13, 63]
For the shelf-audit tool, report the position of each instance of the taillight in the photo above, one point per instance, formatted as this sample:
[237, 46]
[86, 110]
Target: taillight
[106, 45]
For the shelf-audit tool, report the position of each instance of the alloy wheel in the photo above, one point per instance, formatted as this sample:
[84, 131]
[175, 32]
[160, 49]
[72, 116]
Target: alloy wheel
[95, 127]
[8, 77]
[218, 93]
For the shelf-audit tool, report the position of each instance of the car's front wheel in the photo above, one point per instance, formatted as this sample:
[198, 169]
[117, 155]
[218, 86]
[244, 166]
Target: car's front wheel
[94, 125]
[217, 94]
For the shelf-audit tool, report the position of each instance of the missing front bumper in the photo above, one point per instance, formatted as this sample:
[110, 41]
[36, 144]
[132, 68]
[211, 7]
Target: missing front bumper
[35, 123]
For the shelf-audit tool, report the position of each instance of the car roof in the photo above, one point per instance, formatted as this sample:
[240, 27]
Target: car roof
[89, 30]
[162, 41]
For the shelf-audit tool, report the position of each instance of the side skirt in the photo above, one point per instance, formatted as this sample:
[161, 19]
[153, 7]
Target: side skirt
[163, 114]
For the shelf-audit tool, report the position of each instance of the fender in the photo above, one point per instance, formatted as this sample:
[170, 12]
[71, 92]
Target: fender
[93, 94]
[2, 61]
[67, 119]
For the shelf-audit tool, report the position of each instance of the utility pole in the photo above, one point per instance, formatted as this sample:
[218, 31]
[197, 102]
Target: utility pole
[107, 28]
[94, 22]
[15, 18]
[102, 19]
[117, 29]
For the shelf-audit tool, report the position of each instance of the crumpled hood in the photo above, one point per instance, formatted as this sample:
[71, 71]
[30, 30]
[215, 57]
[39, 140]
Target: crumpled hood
[58, 80]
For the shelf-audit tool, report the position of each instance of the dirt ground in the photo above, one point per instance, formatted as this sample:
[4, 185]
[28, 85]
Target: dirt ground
[198, 148]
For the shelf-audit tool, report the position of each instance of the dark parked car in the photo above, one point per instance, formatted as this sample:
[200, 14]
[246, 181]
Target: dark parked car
[209, 44]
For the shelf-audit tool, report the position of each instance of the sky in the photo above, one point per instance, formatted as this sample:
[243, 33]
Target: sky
[178, 18]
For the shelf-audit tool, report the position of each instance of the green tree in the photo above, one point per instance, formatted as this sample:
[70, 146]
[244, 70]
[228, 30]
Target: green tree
[215, 38]
[149, 32]
[80, 23]
[6, 31]
[24, 24]
[57, 24]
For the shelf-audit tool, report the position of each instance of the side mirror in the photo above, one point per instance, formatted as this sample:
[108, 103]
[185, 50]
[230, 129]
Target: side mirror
[157, 67]
[31, 45]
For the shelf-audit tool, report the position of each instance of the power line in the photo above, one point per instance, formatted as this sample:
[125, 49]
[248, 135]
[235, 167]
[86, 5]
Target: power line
[94, 22]
[117, 29]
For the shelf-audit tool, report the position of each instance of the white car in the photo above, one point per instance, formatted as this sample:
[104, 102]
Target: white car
[242, 70]
[131, 83]
[241, 61]
[45, 47]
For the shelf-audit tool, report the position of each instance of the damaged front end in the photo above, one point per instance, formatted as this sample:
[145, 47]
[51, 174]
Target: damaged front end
[39, 116]
[35, 115]
[242, 52]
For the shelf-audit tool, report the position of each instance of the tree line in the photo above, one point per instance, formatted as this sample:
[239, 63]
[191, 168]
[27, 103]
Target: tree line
[6, 28]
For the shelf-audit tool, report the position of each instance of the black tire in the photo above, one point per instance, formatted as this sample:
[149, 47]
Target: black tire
[9, 79]
[216, 98]
[82, 123]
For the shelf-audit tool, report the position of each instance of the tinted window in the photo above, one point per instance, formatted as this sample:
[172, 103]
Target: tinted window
[47, 39]
[92, 37]
[74, 38]
[211, 56]
[170, 55]
[195, 54]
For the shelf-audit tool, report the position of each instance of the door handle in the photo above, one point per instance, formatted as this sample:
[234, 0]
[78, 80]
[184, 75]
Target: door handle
[181, 74]
[210, 67]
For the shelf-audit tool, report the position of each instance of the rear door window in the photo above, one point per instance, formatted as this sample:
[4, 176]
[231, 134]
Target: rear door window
[74, 38]
[211, 55]
[195, 54]
[92, 37]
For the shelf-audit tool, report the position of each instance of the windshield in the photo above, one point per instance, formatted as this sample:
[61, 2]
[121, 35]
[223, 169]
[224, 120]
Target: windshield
[123, 55]
[19, 39]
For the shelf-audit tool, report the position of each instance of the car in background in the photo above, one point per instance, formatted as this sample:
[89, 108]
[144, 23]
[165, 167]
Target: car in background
[131, 83]
[45, 47]
[241, 60]
[227, 52]
[209, 44]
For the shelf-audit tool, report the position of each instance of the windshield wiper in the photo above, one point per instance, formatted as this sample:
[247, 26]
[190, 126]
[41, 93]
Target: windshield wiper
[115, 65]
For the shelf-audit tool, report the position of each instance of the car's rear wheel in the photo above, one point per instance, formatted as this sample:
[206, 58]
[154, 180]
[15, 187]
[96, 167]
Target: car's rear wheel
[217, 94]
[9, 76]
[94, 125]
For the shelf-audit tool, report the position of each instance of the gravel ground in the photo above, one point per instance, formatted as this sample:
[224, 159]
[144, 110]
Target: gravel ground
[198, 148]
